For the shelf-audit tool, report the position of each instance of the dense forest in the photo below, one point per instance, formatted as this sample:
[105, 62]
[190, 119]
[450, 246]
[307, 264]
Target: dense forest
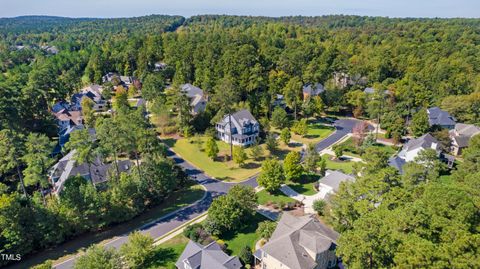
[244, 62]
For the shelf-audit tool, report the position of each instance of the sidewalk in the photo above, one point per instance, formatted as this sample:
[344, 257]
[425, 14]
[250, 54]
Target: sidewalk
[306, 200]
[269, 213]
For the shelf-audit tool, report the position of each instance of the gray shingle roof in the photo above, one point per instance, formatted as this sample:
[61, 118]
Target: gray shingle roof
[466, 129]
[195, 94]
[425, 142]
[397, 163]
[242, 118]
[462, 134]
[190, 90]
[206, 257]
[98, 172]
[294, 236]
[334, 178]
[436, 116]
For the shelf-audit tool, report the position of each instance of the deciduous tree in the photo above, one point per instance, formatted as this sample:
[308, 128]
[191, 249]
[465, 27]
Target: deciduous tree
[272, 175]
[292, 166]
[212, 148]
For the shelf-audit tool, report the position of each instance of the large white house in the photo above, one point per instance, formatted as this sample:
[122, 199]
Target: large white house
[411, 150]
[244, 128]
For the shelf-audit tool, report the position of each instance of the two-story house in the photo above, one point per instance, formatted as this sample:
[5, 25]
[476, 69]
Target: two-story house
[118, 80]
[461, 135]
[243, 129]
[67, 121]
[69, 114]
[298, 243]
[411, 150]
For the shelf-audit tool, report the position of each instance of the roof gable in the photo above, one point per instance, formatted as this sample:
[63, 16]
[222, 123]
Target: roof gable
[209, 256]
[294, 236]
[437, 116]
[426, 141]
[333, 179]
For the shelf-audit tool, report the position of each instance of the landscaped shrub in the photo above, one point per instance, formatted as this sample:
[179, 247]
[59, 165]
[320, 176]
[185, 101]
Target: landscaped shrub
[245, 255]
[319, 207]
[265, 229]
[222, 244]
[193, 231]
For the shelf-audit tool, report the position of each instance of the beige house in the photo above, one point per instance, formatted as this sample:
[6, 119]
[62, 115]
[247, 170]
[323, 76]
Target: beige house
[461, 135]
[299, 243]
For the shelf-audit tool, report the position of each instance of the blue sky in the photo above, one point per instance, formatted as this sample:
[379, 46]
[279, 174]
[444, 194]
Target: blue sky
[130, 8]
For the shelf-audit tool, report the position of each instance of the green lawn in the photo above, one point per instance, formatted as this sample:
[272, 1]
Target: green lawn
[193, 151]
[316, 133]
[235, 241]
[351, 150]
[305, 185]
[345, 166]
[264, 197]
[167, 254]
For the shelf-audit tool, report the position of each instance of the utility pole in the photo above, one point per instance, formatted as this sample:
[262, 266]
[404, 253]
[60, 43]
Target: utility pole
[230, 127]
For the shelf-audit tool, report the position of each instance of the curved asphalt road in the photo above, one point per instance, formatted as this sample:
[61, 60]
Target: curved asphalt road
[343, 127]
[171, 221]
[214, 188]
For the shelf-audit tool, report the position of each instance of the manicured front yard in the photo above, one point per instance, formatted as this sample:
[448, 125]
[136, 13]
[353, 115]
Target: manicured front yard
[243, 237]
[350, 148]
[193, 151]
[263, 197]
[305, 185]
[316, 133]
[167, 254]
[345, 166]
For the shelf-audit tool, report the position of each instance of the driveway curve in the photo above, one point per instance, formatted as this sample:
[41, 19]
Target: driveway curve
[342, 128]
